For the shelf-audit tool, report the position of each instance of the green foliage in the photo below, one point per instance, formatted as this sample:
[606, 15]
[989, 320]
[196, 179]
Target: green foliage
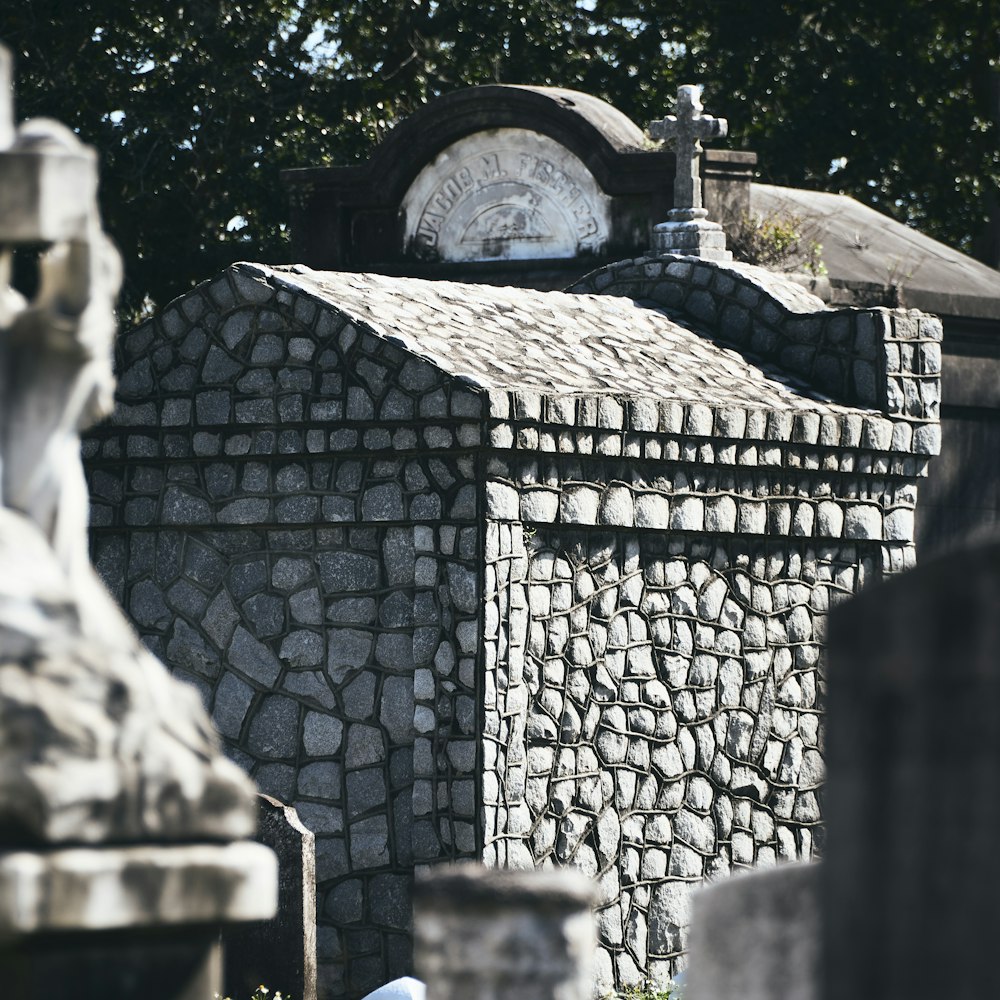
[262, 993]
[194, 109]
[196, 105]
[669, 991]
[781, 243]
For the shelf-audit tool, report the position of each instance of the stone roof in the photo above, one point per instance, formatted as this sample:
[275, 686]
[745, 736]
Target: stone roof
[553, 342]
[864, 248]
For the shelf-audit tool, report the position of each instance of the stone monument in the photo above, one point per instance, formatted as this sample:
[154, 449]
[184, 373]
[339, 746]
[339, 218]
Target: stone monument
[688, 230]
[757, 936]
[121, 822]
[505, 935]
[524, 577]
[502, 184]
[911, 872]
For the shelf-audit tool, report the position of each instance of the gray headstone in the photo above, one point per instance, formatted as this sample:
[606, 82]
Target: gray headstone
[757, 936]
[506, 935]
[281, 953]
[912, 867]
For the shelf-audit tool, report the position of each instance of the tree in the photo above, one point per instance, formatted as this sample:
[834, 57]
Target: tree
[194, 110]
[897, 104]
[196, 106]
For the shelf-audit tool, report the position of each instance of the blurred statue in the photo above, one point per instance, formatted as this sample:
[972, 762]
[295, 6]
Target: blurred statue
[98, 743]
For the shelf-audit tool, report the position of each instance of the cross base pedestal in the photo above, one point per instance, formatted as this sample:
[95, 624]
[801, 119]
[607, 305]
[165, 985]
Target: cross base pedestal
[688, 233]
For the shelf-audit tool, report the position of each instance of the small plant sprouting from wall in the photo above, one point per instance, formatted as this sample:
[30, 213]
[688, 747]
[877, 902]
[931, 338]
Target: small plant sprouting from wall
[261, 993]
[777, 242]
[668, 991]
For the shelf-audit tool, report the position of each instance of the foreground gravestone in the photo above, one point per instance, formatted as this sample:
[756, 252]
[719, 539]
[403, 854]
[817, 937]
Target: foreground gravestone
[281, 951]
[505, 935]
[912, 869]
[120, 820]
[757, 936]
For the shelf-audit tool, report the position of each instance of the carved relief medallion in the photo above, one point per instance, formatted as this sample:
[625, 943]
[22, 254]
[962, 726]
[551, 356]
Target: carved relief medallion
[505, 194]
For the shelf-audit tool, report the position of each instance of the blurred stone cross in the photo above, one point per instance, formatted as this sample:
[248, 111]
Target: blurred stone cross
[46, 188]
[123, 827]
[48, 207]
[687, 230]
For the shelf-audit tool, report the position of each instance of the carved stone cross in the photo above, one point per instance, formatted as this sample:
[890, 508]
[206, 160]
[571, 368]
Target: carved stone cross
[688, 231]
[683, 131]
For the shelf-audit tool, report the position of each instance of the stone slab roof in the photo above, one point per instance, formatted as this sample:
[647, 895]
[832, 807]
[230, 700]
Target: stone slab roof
[553, 342]
[864, 247]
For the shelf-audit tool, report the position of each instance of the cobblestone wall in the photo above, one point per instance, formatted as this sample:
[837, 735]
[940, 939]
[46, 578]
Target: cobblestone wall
[873, 357]
[453, 591]
[653, 634]
[288, 539]
[657, 717]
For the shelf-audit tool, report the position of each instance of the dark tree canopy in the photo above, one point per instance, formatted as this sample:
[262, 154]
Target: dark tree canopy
[196, 107]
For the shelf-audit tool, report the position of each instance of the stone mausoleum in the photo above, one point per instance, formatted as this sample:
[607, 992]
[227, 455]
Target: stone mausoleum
[531, 577]
[536, 186]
